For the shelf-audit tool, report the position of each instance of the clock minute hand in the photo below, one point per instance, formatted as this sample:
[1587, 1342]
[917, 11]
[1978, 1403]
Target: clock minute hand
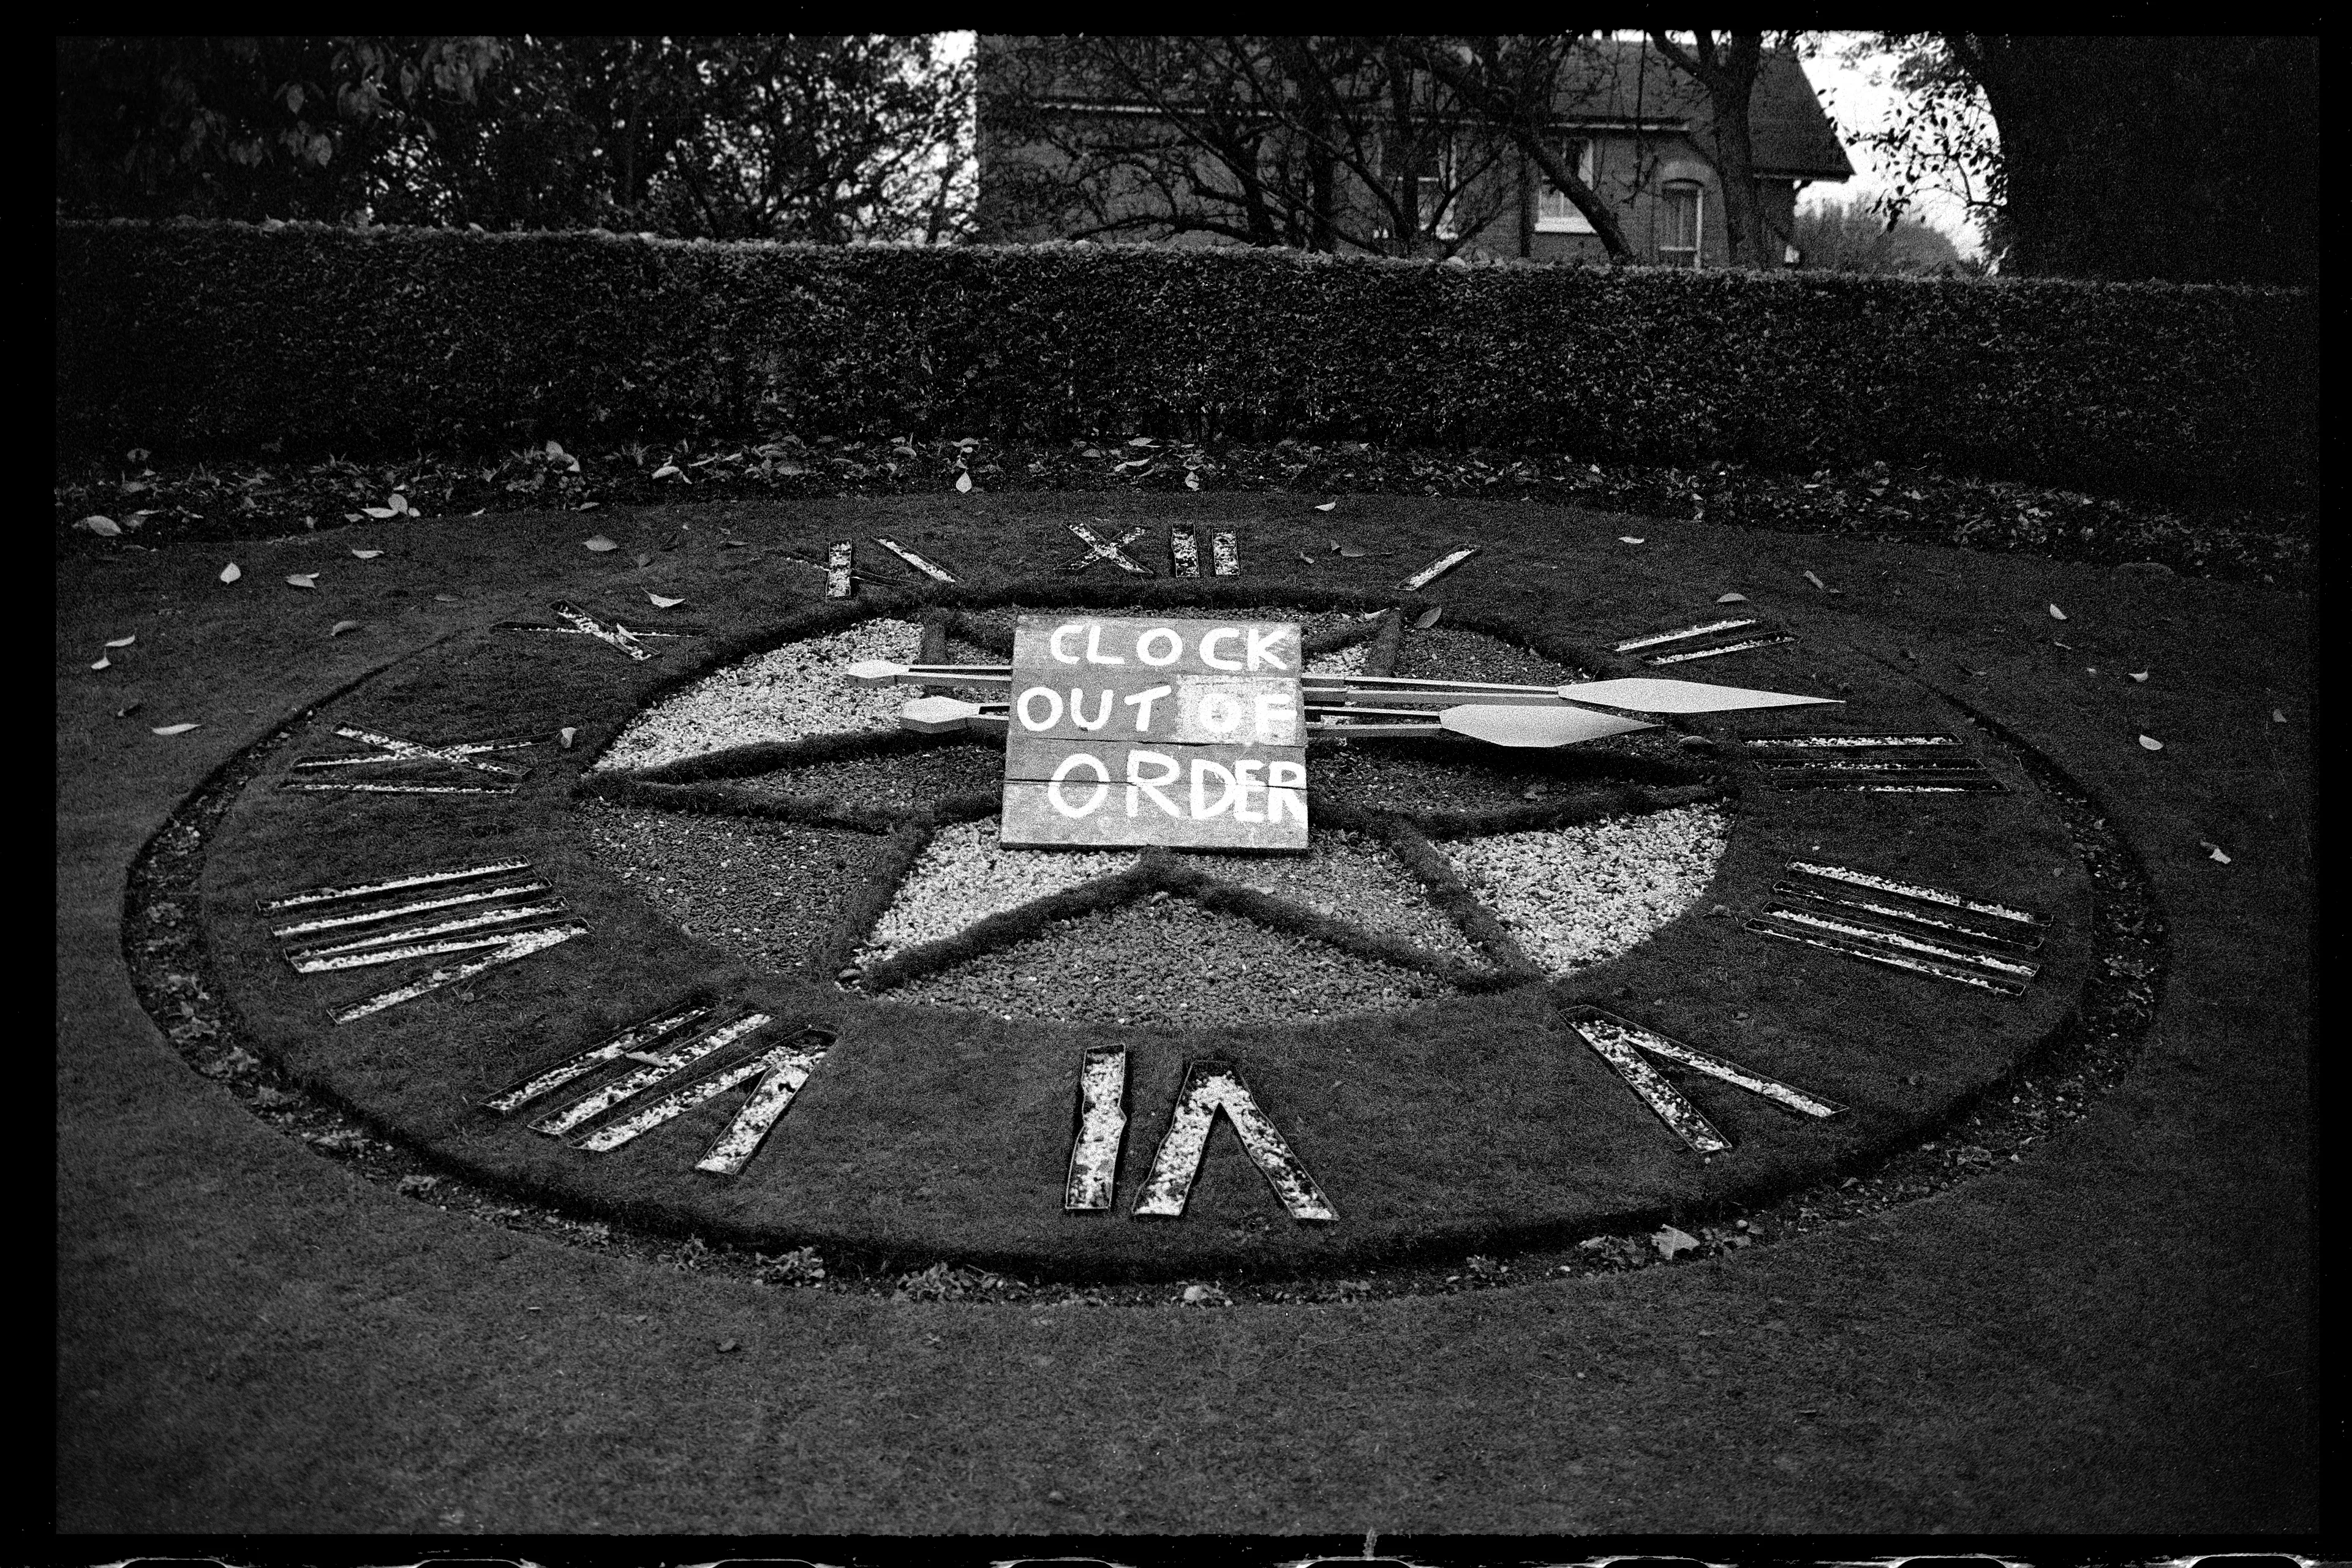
[1642, 695]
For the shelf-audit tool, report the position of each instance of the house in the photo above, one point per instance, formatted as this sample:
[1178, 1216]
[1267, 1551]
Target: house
[1187, 141]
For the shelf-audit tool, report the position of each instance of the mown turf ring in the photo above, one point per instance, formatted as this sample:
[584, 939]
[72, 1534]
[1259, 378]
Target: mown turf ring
[1469, 1124]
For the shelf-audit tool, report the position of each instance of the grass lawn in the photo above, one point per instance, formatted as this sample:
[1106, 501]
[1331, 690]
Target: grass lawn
[2109, 1333]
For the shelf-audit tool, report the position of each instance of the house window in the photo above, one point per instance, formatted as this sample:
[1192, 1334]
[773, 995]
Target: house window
[1681, 224]
[1555, 213]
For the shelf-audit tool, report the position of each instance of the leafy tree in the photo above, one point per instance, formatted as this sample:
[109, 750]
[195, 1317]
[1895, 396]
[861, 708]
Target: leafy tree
[1851, 236]
[817, 137]
[247, 127]
[2121, 157]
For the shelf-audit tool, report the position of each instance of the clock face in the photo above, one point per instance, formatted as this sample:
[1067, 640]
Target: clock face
[1504, 996]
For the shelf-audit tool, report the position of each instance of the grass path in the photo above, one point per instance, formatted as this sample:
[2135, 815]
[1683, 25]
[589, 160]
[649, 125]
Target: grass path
[2110, 1335]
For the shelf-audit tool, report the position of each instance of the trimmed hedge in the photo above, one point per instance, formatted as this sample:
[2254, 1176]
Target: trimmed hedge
[218, 337]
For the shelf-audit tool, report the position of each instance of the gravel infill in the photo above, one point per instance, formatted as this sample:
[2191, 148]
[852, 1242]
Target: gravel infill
[1347, 876]
[795, 691]
[1348, 660]
[965, 875]
[899, 780]
[1168, 961]
[1444, 653]
[769, 891]
[1463, 775]
[1575, 896]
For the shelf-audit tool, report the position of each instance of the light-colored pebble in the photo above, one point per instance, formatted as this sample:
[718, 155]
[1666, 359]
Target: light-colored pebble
[797, 690]
[1348, 660]
[1573, 897]
[964, 875]
[1171, 962]
[1349, 878]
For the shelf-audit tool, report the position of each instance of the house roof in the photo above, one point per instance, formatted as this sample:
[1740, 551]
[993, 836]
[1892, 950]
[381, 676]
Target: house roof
[1616, 82]
[1622, 81]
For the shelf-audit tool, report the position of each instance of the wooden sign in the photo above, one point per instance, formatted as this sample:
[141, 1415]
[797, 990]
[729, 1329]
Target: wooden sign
[1138, 732]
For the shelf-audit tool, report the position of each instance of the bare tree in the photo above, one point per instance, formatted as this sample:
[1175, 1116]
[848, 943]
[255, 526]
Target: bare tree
[1317, 142]
[1728, 71]
[1512, 84]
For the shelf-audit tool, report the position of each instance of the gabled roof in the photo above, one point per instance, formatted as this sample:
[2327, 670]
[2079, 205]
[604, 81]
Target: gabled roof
[1622, 81]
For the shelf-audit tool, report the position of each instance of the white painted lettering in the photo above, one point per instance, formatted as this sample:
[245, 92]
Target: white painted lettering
[1153, 786]
[1261, 650]
[1095, 654]
[1210, 640]
[1054, 643]
[1285, 791]
[1051, 719]
[1201, 769]
[1175, 646]
[1142, 700]
[1079, 711]
[1276, 719]
[1220, 712]
[1102, 788]
[1245, 785]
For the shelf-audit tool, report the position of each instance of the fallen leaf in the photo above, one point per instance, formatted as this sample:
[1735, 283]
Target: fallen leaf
[601, 544]
[1428, 617]
[1732, 599]
[2068, 646]
[1351, 552]
[339, 628]
[725, 1345]
[1192, 480]
[642, 559]
[1309, 559]
[666, 470]
[1327, 506]
[556, 453]
[400, 503]
[1629, 538]
[138, 454]
[104, 527]
[2150, 743]
[662, 603]
[2056, 613]
[231, 573]
[566, 734]
[381, 512]
[2139, 675]
[176, 728]
[367, 554]
[1141, 441]
[124, 642]
[103, 663]
[2213, 851]
[304, 580]
[1670, 1241]
[2278, 715]
[964, 484]
[588, 506]
[1816, 581]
